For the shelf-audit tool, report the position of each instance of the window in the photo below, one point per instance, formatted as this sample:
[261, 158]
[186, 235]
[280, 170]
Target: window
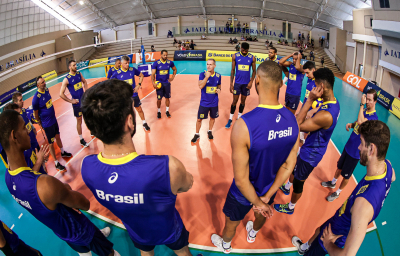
[371, 21]
[384, 3]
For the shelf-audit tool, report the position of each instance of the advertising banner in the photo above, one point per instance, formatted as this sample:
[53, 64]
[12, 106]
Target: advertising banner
[98, 63]
[150, 56]
[395, 107]
[7, 96]
[82, 64]
[190, 55]
[113, 58]
[355, 81]
[384, 98]
[27, 85]
[220, 55]
[107, 67]
[49, 75]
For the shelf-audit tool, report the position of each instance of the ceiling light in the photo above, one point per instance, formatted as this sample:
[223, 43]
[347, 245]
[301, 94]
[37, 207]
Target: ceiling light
[81, 2]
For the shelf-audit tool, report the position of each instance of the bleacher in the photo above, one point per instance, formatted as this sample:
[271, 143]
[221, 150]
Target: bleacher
[211, 43]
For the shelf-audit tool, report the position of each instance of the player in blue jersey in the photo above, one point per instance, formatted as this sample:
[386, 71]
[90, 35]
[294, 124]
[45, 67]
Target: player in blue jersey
[344, 233]
[12, 245]
[350, 155]
[76, 84]
[114, 69]
[44, 113]
[242, 64]
[49, 200]
[258, 167]
[128, 74]
[160, 73]
[140, 190]
[293, 89]
[210, 86]
[273, 55]
[320, 127]
[18, 99]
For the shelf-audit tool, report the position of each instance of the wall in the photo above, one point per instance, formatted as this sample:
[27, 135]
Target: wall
[391, 83]
[341, 48]
[349, 59]
[359, 22]
[332, 40]
[81, 39]
[391, 13]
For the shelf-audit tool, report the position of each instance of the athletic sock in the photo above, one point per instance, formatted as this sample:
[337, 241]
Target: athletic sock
[55, 162]
[253, 233]
[288, 185]
[167, 109]
[62, 150]
[304, 246]
[291, 206]
[198, 134]
[209, 130]
[159, 110]
[80, 137]
[144, 121]
[241, 108]
[334, 181]
[239, 115]
[230, 116]
[233, 108]
[338, 191]
[226, 245]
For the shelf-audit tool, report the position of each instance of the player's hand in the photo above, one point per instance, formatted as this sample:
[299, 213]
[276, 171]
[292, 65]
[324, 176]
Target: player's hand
[309, 115]
[250, 85]
[265, 199]
[315, 93]
[328, 236]
[349, 126]
[231, 88]
[74, 101]
[171, 78]
[364, 99]
[264, 209]
[136, 89]
[218, 90]
[43, 154]
[208, 74]
[154, 85]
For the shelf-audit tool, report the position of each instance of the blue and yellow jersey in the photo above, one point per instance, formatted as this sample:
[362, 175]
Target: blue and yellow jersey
[354, 140]
[111, 72]
[29, 127]
[270, 127]
[43, 103]
[295, 81]
[11, 238]
[136, 189]
[209, 97]
[162, 70]
[372, 188]
[75, 86]
[127, 76]
[65, 222]
[309, 87]
[243, 68]
[276, 60]
[31, 158]
[317, 141]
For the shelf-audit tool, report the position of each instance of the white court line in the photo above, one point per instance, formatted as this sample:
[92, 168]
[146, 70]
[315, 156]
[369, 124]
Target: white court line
[19, 217]
[12, 226]
[106, 219]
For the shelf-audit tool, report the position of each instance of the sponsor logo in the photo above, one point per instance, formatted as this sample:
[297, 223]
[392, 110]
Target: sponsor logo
[23, 203]
[137, 198]
[14, 186]
[355, 81]
[113, 178]
[278, 118]
[280, 134]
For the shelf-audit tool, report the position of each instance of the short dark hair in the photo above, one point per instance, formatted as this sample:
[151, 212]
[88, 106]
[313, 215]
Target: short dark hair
[271, 70]
[212, 60]
[105, 107]
[71, 61]
[378, 133]
[37, 79]
[11, 106]
[126, 58]
[273, 48]
[118, 60]
[309, 65]
[326, 75]
[373, 92]
[162, 51]
[245, 46]
[15, 96]
[9, 121]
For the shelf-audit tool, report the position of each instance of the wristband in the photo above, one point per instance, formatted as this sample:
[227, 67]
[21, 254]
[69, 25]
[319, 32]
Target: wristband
[361, 104]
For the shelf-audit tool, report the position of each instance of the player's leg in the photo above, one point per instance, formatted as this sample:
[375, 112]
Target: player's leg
[242, 104]
[202, 113]
[167, 95]
[160, 95]
[309, 247]
[101, 245]
[233, 107]
[213, 115]
[137, 104]
[78, 114]
[180, 246]
[51, 137]
[59, 142]
[289, 103]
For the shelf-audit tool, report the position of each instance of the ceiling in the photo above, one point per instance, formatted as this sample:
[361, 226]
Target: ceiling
[103, 14]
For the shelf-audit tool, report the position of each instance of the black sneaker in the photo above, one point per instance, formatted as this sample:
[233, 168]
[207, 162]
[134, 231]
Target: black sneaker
[60, 167]
[83, 143]
[195, 138]
[146, 127]
[168, 114]
[158, 115]
[66, 154]
[210, 136]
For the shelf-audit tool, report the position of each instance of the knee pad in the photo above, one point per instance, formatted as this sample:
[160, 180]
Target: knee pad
[298, 186]
[233, 108]
[241, 108]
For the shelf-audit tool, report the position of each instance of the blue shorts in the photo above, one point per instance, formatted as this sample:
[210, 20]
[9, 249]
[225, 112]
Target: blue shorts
[25, 250]
[237, 211]
[292, 101]
[302, 169]
[136, 101]
[241, 89]
[347, 164]
[77, 110]
[51, 132]
[99, 245]
[203, 112]
[164, 91]
[182, 241]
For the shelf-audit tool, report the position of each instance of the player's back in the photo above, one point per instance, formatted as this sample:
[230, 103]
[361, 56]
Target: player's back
[243, 67]
[273, 132]
[137, 190]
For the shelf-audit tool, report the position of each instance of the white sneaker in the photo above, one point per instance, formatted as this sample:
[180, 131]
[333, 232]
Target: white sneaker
[106, 231]
[249, 227]
[217, 241]
[297, 242]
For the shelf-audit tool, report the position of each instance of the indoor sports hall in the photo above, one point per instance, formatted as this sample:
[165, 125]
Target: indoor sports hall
[357, 40]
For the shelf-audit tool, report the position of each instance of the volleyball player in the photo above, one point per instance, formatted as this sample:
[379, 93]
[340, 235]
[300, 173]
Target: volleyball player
[128, 74]
[320, 127]
[210, 86]
[11, 245]
[114, 69]
[259, 168]
[76, 84]
[160, 73]
[44, 113]
[49, 200]
[344, 233]
[273, 55]
[242, 64]
[350, 156]
[140, 190]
